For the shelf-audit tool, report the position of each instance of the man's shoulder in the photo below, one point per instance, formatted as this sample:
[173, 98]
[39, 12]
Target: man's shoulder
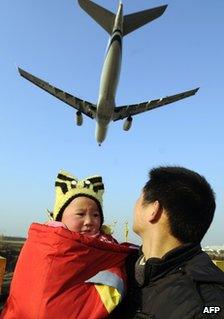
[208, 278]
[202, 269]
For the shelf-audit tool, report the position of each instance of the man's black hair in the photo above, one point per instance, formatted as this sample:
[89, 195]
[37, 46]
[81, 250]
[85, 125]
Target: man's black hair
[186, 196]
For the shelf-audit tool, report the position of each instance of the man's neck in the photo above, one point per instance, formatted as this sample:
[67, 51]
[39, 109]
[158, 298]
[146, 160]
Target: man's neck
[158, 248]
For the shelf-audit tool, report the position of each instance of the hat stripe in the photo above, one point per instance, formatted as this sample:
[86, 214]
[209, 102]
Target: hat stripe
[65, 178]
[63, 186]
[96, 188]
[94, 180]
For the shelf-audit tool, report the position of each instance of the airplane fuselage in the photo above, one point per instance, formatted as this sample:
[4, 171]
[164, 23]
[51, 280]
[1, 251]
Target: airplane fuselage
[109, 78]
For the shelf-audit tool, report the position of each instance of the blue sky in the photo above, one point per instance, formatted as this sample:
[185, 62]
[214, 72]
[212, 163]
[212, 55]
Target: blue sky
[59, 42]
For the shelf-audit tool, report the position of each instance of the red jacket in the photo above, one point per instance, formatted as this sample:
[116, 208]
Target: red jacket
[62, 275]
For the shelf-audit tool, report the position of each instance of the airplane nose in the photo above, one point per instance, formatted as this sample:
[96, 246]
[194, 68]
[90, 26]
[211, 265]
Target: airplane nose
[100, 133]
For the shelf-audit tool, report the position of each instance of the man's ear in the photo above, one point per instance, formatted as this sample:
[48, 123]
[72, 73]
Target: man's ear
[156, 212]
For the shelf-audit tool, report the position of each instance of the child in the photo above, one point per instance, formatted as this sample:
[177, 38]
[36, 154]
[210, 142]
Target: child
[80, 210]
[69, 268]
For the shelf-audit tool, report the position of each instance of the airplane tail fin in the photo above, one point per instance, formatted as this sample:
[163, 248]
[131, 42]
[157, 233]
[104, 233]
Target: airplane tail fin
[136, 20]
[104, 17]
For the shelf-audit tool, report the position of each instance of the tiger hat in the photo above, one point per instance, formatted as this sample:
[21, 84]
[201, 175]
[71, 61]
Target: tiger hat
[68, 187]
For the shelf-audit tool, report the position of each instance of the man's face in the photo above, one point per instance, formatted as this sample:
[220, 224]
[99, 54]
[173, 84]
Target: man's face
[143, 215]
[82, 215]
[138, 224]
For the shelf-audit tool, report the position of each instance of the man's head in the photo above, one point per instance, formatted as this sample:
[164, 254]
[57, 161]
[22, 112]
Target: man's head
[83, 198]
[180, 199]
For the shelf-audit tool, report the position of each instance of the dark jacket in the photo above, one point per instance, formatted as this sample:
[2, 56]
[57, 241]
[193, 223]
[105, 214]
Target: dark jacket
[184, 284]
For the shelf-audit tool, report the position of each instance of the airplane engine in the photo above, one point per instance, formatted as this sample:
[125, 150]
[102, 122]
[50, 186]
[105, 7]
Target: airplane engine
[127, 123]
[79, 118]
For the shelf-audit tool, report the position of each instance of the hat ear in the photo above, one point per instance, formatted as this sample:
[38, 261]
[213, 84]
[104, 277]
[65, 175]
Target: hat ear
[97, 182]
[65, 181]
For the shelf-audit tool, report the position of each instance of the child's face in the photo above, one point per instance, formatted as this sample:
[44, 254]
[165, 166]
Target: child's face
[82, 215]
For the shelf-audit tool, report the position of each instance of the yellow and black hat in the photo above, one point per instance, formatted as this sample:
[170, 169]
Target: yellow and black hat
[68, 187]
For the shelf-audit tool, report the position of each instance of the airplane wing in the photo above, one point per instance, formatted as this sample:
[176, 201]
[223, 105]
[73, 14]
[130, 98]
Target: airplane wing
[122, 112]
[85, 107]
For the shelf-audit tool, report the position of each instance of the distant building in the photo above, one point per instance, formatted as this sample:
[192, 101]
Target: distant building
[214, 248]
[216, 253]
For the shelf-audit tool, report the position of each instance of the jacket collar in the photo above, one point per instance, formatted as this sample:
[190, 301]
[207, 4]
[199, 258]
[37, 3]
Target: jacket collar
[157, 267]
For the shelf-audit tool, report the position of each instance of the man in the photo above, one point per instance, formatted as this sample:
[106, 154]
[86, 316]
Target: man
[172, 278]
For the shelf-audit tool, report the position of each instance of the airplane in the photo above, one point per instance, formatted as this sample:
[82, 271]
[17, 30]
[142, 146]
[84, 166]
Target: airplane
[105, 110]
